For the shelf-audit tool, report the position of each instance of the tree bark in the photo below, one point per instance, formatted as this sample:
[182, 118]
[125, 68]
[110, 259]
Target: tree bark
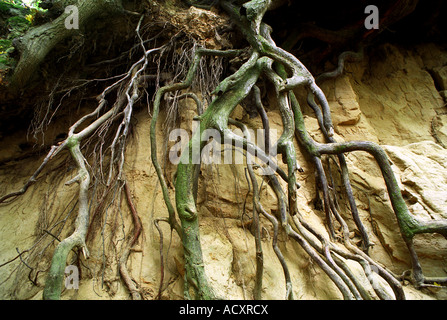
[38, 42]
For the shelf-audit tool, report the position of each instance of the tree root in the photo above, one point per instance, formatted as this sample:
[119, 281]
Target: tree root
[53, 284]
[136, 295]
[53, 151]
[229, 93]
[39, 41]
[285, 72]
[122, 108]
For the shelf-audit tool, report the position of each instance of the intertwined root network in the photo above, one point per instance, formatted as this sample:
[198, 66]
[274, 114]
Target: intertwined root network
[285, 72]
[269, 63]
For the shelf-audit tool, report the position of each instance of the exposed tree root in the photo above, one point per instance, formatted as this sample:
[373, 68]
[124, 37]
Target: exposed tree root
[37, 43]
[53, 285]
[278, 67]
[127, 87]
[258, 36]
[136, 295]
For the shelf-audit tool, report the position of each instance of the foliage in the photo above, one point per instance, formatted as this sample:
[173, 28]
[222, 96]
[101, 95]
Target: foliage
[14, 15]
[16, 18]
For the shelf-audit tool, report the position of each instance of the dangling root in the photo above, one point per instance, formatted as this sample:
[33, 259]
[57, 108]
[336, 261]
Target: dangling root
[129, 83]
[271, 61]
[136, 295]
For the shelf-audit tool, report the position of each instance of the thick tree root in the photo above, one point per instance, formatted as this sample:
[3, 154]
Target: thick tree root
[37, 43]
[122, 108]
[285, 72]
[53, 285]
[271, 61]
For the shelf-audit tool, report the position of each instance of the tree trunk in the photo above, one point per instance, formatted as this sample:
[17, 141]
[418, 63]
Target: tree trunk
[39, 41]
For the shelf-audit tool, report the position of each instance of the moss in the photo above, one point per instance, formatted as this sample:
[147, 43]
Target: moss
[72, 142]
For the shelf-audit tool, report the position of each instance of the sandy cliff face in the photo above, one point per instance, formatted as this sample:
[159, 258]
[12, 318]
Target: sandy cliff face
[393, 97]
